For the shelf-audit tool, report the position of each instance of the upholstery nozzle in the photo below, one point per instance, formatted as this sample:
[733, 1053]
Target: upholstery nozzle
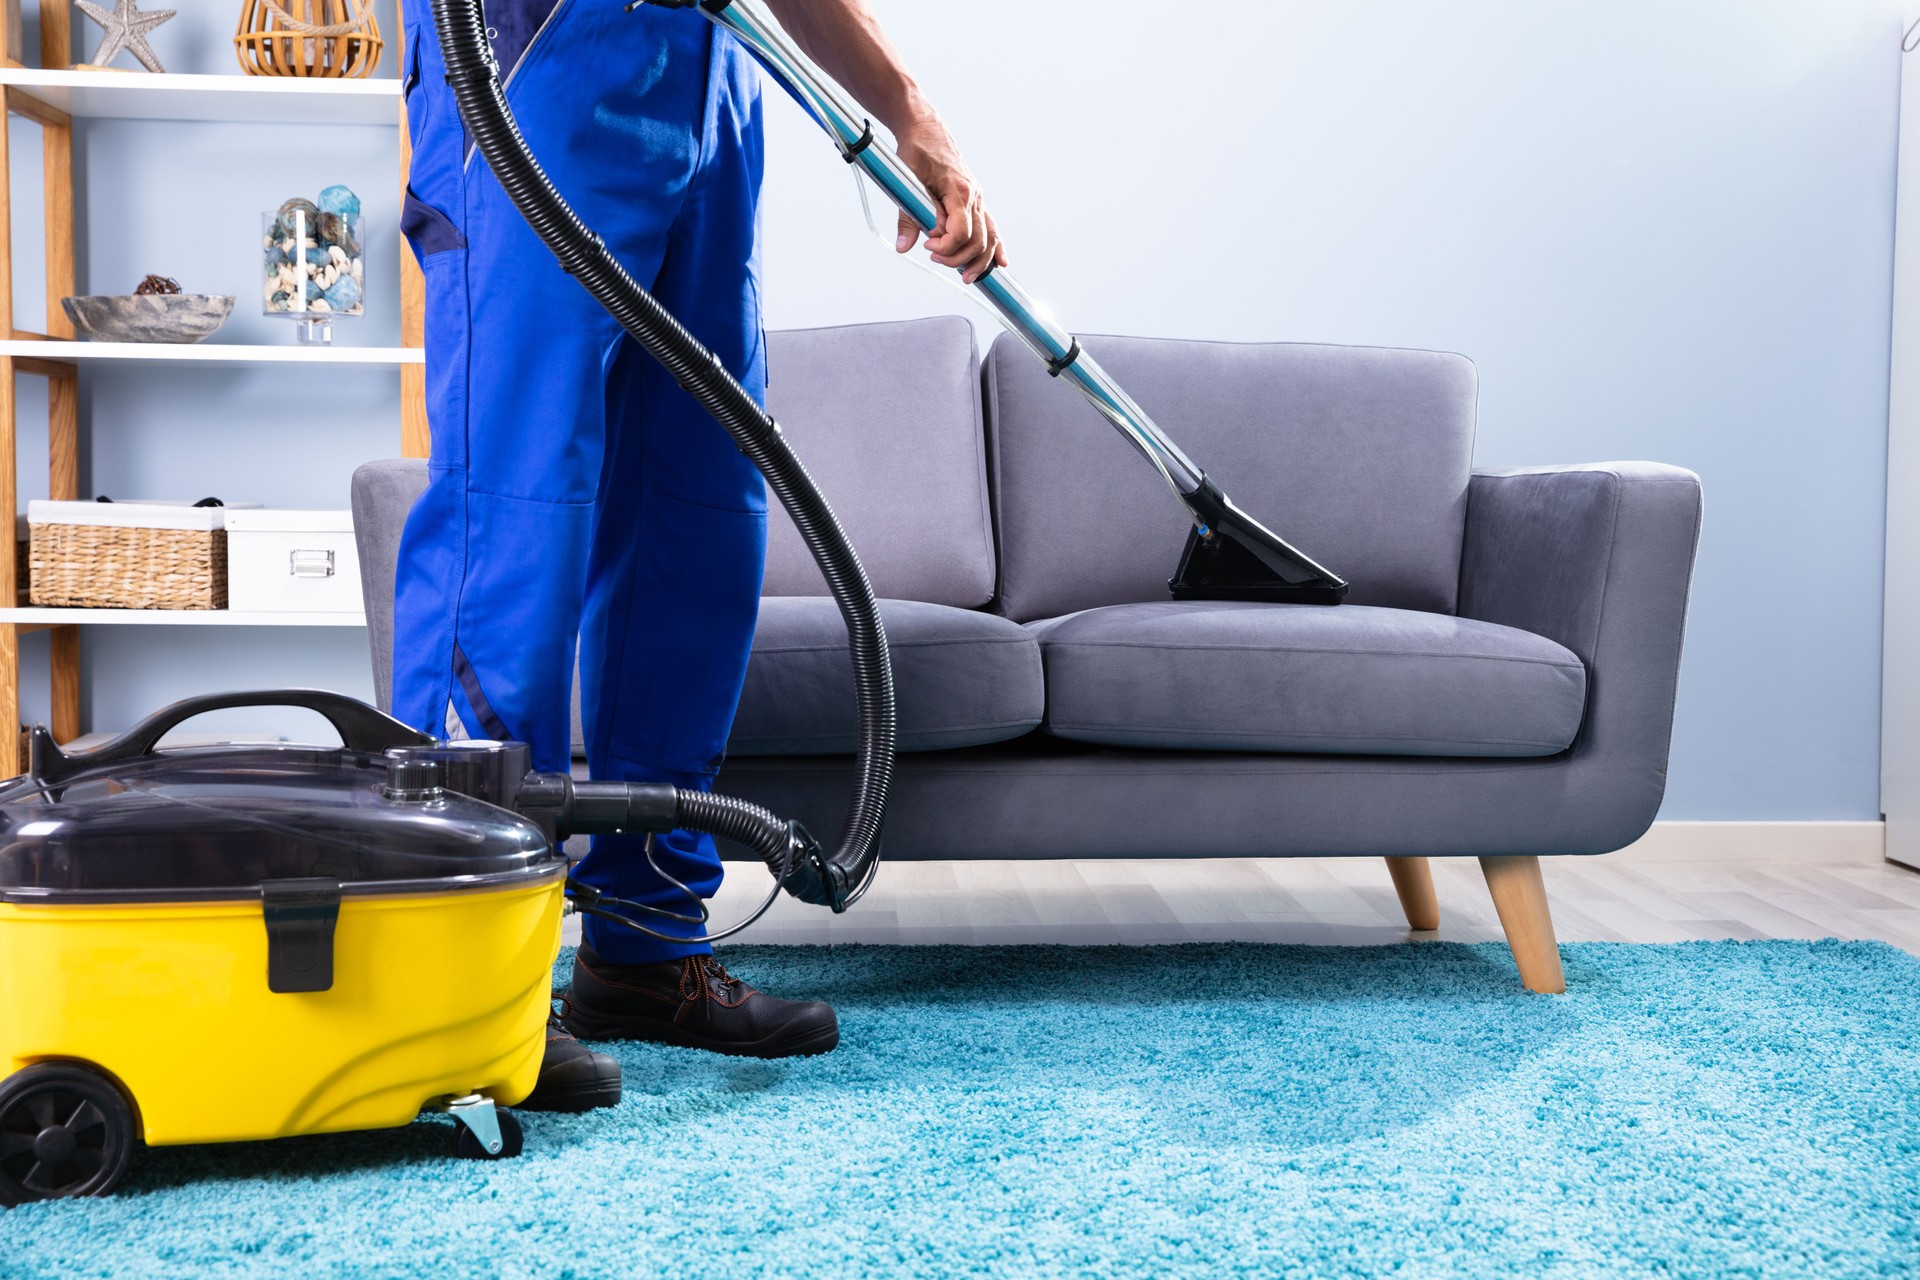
[1231, 556]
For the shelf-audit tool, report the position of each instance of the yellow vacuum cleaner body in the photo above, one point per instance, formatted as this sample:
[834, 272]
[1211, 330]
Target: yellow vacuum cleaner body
[250, 942]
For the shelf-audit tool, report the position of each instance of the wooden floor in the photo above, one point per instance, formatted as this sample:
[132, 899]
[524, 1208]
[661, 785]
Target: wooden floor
[1341, 902]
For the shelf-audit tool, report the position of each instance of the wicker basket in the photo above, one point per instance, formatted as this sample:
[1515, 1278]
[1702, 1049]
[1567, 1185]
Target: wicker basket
[93, 565]
[337, 39]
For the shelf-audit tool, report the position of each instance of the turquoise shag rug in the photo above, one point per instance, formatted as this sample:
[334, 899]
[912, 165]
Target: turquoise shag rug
[1703, 1109]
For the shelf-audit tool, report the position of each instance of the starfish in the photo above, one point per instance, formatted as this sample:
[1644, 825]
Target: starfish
[126, 27]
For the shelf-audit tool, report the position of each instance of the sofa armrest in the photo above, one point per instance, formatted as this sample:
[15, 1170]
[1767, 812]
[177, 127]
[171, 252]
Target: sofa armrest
[1598, 558]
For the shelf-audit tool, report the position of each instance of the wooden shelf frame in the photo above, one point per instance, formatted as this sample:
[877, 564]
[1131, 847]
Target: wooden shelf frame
[63, 381]
[27, 97]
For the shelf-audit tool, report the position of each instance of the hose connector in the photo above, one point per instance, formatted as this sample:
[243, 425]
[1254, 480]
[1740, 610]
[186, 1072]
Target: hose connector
[810, 877]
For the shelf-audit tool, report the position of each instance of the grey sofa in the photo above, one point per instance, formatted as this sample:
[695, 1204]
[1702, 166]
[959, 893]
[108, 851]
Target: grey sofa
[1499, 684]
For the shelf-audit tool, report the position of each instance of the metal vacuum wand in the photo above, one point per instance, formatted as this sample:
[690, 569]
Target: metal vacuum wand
[1229, 555]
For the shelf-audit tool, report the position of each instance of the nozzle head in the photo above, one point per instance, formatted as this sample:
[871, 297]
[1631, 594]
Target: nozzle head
[1231, 556]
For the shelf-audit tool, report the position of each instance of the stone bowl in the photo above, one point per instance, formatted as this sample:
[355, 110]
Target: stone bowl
[148, 317]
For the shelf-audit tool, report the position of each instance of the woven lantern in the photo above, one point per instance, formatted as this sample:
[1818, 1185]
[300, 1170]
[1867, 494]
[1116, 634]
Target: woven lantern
[334, 38]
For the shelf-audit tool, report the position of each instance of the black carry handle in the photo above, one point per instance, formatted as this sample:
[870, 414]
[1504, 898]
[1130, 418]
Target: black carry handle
[361, 728]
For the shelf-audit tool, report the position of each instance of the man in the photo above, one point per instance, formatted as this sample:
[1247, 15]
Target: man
[577, 495]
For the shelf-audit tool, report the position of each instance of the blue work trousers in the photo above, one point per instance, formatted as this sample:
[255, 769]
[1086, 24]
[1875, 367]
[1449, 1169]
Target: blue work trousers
[576, 495]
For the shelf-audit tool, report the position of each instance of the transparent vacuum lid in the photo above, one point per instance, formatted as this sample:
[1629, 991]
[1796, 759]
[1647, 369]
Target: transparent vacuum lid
[216, 822]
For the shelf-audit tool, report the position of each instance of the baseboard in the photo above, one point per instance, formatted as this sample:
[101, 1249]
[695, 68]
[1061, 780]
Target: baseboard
[1824, 843]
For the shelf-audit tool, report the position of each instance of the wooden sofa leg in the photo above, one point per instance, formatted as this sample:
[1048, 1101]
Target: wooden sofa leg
[1520, 896]
[1413, 881]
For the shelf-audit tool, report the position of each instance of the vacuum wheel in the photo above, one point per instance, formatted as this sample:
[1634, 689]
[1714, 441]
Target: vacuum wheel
[467, 1146]
[64, 1131]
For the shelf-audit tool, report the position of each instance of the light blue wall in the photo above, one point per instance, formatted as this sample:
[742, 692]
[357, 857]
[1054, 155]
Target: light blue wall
[1662, 228]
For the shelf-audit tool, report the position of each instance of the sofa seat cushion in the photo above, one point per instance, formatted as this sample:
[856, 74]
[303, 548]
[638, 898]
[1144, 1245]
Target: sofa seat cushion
[1345, 680]
[960, 678]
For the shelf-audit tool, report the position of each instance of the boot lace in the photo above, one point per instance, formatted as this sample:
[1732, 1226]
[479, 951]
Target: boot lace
[715, 976]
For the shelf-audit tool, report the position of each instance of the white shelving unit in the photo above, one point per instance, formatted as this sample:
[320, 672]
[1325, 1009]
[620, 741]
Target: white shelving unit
[210, 354]
[55, 98]
[237, 98]
[37, 617]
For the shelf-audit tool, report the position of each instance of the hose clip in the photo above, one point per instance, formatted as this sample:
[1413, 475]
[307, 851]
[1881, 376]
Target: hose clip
[865, 140]
[1061, 364]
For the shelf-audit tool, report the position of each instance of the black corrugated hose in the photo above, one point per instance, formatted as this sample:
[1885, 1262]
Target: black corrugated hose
[839, 878]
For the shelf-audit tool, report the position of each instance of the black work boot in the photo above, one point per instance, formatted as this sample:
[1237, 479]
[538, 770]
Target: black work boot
[693, 1003]
[572, 1076]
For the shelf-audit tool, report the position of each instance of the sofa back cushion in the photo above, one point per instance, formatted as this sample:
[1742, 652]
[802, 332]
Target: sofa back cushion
[1359, 456]
[887, 419]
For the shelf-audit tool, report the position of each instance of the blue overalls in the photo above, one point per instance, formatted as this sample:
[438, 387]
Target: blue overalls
[575, 492]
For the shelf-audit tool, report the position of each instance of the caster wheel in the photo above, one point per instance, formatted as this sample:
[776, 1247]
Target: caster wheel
[64, 1131]
[468, 1147]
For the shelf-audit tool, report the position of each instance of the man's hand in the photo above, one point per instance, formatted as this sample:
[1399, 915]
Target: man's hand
[845, 38]
[965, 236]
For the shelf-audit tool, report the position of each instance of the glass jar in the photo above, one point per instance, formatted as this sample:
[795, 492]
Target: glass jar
[314, 259]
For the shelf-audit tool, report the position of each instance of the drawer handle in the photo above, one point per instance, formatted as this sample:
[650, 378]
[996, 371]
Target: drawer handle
[310, 564]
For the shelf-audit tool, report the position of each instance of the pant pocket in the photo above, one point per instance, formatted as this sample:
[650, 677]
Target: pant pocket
[427, 229]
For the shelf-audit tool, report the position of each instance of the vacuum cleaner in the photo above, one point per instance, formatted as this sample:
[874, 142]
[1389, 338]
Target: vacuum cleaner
[194, 943]
[197, 945]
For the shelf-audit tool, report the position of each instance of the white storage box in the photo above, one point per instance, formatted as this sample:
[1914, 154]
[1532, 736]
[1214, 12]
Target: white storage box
[292, 562]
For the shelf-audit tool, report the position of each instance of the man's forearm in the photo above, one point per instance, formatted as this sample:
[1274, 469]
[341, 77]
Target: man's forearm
[845, 39]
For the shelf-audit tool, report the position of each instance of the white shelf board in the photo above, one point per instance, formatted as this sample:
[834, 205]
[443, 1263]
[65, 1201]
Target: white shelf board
[213, 353]
[178, 618]
[137, 95]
